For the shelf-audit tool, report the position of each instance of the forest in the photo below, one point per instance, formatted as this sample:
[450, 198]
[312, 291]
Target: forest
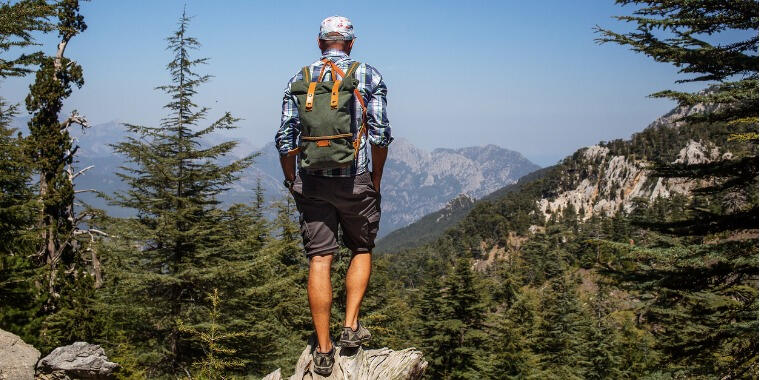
[666, 288]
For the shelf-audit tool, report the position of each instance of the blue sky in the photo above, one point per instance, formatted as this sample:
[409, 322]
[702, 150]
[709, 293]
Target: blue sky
[524, 75]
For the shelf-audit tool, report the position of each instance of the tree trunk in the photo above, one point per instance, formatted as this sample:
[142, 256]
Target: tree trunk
[358, 364]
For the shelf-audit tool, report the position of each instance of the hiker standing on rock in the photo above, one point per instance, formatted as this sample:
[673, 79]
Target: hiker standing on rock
[330, 111]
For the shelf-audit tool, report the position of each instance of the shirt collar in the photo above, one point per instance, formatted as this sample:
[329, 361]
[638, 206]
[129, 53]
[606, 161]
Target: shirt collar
[334, 53]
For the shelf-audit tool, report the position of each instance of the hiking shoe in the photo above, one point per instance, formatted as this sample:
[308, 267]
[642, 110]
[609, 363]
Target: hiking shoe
[354, 338]
[323, 362]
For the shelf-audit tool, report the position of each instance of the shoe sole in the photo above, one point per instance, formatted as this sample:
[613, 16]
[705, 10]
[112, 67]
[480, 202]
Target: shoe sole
[320, 372]
[349, 344]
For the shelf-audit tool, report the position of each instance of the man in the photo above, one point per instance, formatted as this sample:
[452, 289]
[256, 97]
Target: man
[334, 186]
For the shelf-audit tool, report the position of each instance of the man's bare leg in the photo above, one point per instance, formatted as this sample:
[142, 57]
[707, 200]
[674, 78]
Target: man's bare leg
[357, 279]
[320, 298]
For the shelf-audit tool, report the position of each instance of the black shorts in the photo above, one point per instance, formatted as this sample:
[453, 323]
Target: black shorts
[328, 202]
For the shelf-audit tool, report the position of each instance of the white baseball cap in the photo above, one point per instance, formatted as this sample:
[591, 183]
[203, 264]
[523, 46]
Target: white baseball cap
[336, 28]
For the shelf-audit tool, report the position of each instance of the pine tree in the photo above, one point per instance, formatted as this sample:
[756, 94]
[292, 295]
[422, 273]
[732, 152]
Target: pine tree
[511, 355]
[178, 246]
[18, 240]
[21, 310]
[50, 146]
[266, 293]
[702, 286]
[454, 334]
[219, 357]
[17, 204]
[65, 271]
[559, 335]
[429, 310]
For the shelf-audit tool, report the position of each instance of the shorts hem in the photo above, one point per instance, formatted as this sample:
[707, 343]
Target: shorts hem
[322, 251]
[360, 250]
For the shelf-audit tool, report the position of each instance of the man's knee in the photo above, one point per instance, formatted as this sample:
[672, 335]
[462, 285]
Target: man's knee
[321, 260]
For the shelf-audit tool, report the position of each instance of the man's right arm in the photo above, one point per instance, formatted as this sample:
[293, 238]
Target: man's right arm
[286, 139]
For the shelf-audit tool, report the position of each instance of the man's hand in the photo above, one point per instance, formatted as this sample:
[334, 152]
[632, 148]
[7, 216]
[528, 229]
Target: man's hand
[379, 154]
[288, 164]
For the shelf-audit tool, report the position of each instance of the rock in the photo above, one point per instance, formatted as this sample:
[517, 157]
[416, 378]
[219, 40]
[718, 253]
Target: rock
[276, 375]
[80, 360]
[358, 364]
[17, 359]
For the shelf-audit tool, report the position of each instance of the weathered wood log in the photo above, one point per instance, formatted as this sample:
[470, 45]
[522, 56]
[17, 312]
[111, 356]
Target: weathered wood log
[360, 364]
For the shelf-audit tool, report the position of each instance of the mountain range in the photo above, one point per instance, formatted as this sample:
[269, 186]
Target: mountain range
[416, 182]
[596, 180]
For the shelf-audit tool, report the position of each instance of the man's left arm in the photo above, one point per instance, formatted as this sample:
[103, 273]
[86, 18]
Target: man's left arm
[378, 126]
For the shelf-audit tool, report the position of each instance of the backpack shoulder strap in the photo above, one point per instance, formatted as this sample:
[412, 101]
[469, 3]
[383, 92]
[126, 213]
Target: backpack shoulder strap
[306, 74]
[351, 69]
[310, 91]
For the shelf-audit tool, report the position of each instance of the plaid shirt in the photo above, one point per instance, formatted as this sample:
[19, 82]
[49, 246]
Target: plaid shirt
[373, 90]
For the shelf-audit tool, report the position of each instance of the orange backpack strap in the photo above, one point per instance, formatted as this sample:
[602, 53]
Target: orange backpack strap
[334, 94]
[310, 96]
[312, 87]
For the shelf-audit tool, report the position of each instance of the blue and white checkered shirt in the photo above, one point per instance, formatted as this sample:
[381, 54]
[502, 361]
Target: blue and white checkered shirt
[373, 90]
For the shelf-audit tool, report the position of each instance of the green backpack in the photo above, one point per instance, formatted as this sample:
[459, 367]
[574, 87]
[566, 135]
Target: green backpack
[324, 109]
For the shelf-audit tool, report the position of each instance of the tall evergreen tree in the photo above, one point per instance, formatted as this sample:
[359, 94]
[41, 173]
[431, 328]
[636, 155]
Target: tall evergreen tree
[511, 339]
[18, 208]
[265, 293]
[18, 240]
[703, 287]
[65, 279]
[559, 338]
[454, 333]
[176, 249]
[51, 148]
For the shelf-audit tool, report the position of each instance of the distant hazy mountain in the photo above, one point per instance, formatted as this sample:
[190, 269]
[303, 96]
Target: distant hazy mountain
[415, 182]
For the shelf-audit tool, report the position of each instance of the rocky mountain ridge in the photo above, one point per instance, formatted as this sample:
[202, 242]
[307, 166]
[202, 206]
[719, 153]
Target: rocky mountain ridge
[601, 179]
[621, 179]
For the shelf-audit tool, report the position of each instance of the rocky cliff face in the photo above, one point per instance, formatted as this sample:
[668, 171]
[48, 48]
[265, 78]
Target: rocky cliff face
[617, 180]
[607, 182]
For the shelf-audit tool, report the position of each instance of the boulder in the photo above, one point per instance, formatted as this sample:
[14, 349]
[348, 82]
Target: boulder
[80, 360]
[17, 359]
[360, 364]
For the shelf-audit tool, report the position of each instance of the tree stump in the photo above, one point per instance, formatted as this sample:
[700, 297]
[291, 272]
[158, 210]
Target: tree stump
[360, 364]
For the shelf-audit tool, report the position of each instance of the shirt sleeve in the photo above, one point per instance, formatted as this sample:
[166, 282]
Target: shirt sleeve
[378, 126]
[286, 138]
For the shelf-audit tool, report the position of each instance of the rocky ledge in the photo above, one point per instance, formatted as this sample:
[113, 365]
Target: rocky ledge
[81, 360]
[360, 364]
